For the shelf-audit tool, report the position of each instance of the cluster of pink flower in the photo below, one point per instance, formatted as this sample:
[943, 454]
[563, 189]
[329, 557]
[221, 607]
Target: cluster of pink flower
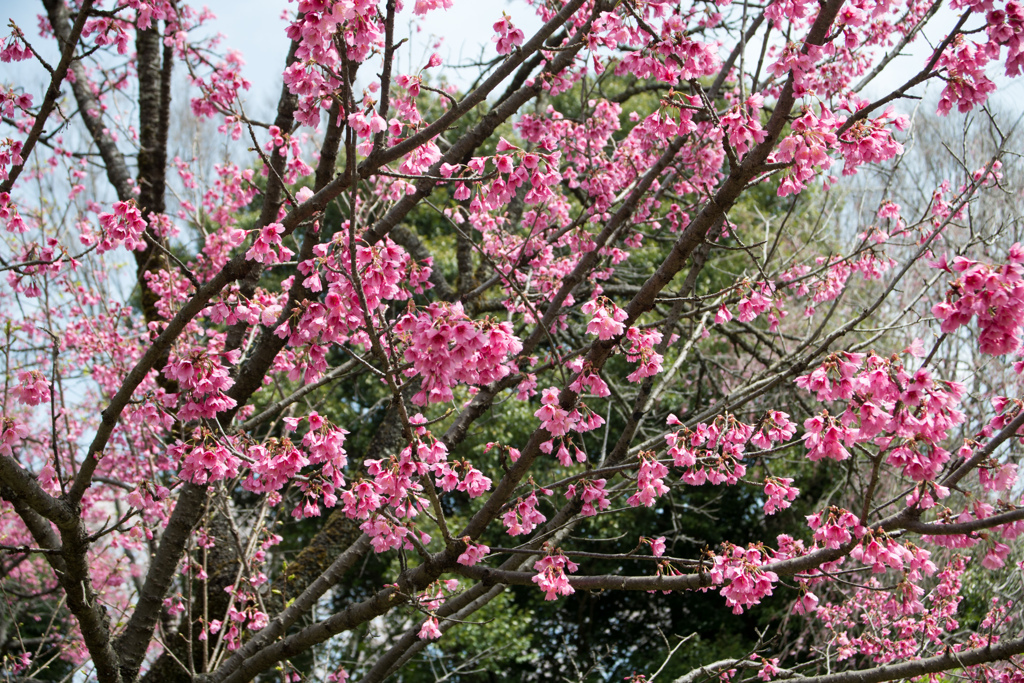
[639, 347]
[473, 553]
[204, 459]
[742, 124]
[832, 282]
[9, 215]
[325, 445]
[147, 497]
[423, 6]
[681, 57]
[289, 147]
[769, 668]
[603, 179]
[1006, 27]
[557, 138]
[588, 381]
[267, 247]
[793, 11]
[995, 294]
[563, 454]
[757, 299]
[387, 535]
[798, 59]
[650, 480]
[313, 89]
[273, 464]
[592, 493]
[756, 302]
[967, 86]
[14, 49]
[807, 149]
[366, 125]
[712, 452]
[522, 517]
[108, 31]
[996, 556]
[835, 527]
[10, 101]
[870, 141]
[829, 280]
[892, 625]
[247, 619]
[421, 159]
[508, 36]
[33, 388]
[386, 273]
[202, 379]
[553, 417]
[313, 75]
[807, 603]
[10, 155]
[393, 483]
[472, 482]
[741, 574]
[881, 553]
[824, 438]
[906, 415]
[430, 629]
[607, 319]
[775, 428]
[560, 422]
[508, 178]
[833, 379]
[124, 226]
[12, 431]
[341, 675]
[551, 576]
[447, 348]
[430, 600]
[779, 494]
[219, 92]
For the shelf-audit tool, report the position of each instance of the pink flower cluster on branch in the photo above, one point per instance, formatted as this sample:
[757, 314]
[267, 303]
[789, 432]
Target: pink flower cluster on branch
[551, 576]
[124, 225]
[993, 294]
[745, 582]
[446, 348]
[714, 453]
[907, 416]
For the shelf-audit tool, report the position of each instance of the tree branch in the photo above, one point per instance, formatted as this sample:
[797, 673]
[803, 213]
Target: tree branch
[70, 39]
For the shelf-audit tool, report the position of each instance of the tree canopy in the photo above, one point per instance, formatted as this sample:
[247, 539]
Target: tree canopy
[671, 344]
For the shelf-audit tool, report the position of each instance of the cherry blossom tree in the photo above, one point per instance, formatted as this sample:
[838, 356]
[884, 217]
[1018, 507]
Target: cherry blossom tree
[611, 275]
